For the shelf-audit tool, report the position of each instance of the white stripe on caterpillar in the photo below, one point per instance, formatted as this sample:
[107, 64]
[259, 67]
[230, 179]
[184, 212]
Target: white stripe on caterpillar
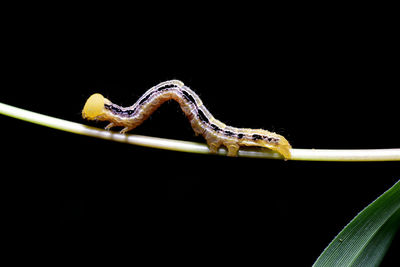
[215, 132]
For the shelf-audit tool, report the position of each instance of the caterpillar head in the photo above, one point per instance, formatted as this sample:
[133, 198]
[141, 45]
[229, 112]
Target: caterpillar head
[283, 147]
[94, 107]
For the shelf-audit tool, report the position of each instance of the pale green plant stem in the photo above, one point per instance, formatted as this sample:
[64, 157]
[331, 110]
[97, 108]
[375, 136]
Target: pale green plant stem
[193, 147]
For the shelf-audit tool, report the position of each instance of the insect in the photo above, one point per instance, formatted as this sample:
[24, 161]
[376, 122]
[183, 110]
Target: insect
[203, 123]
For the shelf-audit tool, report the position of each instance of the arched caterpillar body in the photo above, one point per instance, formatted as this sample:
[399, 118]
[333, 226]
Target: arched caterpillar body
[215, 132]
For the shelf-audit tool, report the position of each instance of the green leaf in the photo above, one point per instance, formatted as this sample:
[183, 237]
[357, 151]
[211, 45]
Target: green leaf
[365, 240]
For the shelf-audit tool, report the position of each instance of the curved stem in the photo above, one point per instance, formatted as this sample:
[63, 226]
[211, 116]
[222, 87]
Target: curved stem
[193, 147]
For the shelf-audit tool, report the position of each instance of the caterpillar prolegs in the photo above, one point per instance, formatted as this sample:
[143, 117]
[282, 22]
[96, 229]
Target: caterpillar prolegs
[215, 132]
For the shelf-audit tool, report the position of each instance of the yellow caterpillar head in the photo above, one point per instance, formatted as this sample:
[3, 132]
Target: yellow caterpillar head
[94, 107]
[283, 147]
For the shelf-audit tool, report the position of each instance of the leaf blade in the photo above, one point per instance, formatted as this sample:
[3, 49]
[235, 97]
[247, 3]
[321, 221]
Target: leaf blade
[375, 250]
[367, 237]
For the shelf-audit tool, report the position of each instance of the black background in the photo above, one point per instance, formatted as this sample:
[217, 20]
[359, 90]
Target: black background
[322, 79]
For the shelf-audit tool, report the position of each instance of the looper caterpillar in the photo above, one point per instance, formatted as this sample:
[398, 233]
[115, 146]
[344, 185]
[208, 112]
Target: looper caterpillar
[215, 132]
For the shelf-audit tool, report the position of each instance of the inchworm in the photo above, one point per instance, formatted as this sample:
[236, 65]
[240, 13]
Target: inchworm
[215, 132]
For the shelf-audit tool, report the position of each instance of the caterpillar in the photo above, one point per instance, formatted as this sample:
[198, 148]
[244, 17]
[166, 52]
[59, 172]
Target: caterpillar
[203, 123]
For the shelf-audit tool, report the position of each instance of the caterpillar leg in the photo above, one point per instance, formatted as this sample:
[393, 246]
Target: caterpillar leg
[126, 129]
[213, 145]
[232, 149]
[213, 148]
[109, 126]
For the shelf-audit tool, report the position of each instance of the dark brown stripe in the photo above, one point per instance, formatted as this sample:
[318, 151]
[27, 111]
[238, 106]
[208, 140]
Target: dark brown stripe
[189, 97]
[167, 86]
[202, 117]
[145, 98]
[257, 137]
